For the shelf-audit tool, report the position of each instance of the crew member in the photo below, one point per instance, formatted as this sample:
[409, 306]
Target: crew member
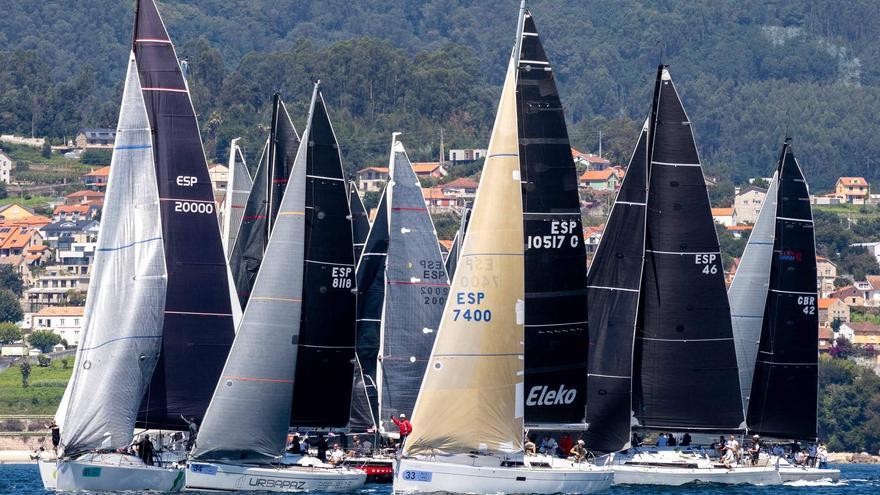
[193, 431]
[144, 448]
[405, 427]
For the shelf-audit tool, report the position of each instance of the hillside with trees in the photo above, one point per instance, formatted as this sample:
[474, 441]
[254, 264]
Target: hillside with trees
[750, 71]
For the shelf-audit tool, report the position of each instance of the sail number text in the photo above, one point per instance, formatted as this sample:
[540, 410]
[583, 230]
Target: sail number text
[708, 262]
[341, 277]
[562, 233]
[471, 311]
[808, 304]
[193, 207]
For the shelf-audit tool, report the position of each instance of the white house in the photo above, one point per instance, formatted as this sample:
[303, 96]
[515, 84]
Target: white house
[66, 321]
[872, 247]
[5, 168]
[725, 216]
[747, 204]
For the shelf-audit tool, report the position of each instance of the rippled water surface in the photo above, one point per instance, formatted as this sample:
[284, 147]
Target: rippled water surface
[24, 479]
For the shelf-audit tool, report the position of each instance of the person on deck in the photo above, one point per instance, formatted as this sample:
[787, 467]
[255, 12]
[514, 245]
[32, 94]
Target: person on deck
[565, 444]
[295, 445]
[549, 445]
[635, 440]
[404, 426]
[755, 450]
[662, 441]
[322, 448]
[529, 447]
[823, 456]
[733, 446]
[193, 431]
[686, 440]
[337, 456]
[56, 435]
[671, 440]
[579, 451]
[811, 455]
[144, 448]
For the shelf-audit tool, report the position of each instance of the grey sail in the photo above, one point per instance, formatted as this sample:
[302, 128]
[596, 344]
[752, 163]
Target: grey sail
[748, 291]
[249, 413]
[121, 342]
[416, 288]
[455, 251]
[237, 191]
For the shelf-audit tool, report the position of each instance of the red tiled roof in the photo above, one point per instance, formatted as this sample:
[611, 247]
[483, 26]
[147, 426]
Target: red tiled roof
[86, 194]
[853, 181]
[383, 170]
[826, 302]
[874, 280]
[461, 183]
[722, 212]
[597, 175]
[825, 333]
[445, 243]
[83, 208]
[61, 311]
[425, 167]
[739, 228]
[101, 172]
[864, 327]
[589, 157]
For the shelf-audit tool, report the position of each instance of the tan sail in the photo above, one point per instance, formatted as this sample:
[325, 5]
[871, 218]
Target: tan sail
[471, 396]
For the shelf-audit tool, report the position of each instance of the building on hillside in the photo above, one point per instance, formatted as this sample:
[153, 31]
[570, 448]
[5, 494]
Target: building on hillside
[92, 138]
[445, 246]
[850, 295]
[826, 339]
[739, 231]
[871, 290]
[461, 187]
[589, 161]
[862, 333]
[592, 237]
[467, 155]
[14, 212]
[21, 265]
[76, 213]
[601, 180]
[826, 274]
[83, 197]
[372, 179]
[747, 204]
[871, 247]
[65, 321]
[855, 190]
[832, 308]
[219, 175]
[432, 170]
[438, 202]
[5, 168]
[25, 141]
[74, 242]
[14, 241]
[18, 349]
[97, 178]
[826, 199]
[51, 288]
[724, 216]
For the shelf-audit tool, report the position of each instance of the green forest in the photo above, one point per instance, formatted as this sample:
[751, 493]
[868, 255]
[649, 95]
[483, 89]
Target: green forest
[749, 71]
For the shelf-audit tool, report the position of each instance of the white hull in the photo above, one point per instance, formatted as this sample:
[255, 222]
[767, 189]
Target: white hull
[673, 476]
[114, 472]
[454, 476]
[231, 477]
[795, 473]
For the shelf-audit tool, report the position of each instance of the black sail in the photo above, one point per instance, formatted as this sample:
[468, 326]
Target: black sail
[455, 250]
[783, 399]
[613, 283]
[684, 364]
[198, 326]
[371, 298]
[325, 360]
[360, 221]
[555, 260]
[264, 200]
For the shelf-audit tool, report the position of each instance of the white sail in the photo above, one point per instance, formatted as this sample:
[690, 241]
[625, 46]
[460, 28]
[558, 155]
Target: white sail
[122, 327]
[471, 396]
[748, 291]
[237, 192]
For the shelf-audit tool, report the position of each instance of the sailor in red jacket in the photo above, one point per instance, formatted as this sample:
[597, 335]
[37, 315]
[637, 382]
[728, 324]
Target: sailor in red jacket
[404, 425]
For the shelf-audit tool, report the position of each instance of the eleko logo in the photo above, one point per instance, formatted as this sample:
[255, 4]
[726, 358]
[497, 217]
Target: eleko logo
[540, 396]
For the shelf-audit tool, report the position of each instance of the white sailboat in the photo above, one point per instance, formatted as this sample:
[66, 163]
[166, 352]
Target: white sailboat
[468, 419]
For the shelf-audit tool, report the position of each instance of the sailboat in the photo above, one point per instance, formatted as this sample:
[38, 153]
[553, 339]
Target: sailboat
[774, 307]
[261, 208]
[237, 191]
[469, 416]
[683, 371]
[403, 288]
[360, 220]
[150, 343]
[304, 284]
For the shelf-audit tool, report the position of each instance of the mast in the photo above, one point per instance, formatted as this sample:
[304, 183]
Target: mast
[327, 327]
[684, 363]
[416, 289]
[198, 324]
[784, 390]
[613, 282]
[556, 338]
[471, 394]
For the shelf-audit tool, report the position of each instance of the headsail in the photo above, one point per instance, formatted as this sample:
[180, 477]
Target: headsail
[416, 288]
[360, 220]
[237, 191]
[263, 202]
[121, 343]
[555, 260]
[327, 329]
[198, 325]
[748, 291]
[471, 397]
[684, 363]
[784, 390]
[613, 281]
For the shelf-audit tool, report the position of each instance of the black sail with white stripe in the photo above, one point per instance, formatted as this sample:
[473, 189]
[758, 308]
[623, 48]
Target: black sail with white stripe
[264, 200]
[371, 298]
[555, 259]
[360, 220]
[782, 403]
[613, 282]
[198, 326]
[684, 364]
[325, 359]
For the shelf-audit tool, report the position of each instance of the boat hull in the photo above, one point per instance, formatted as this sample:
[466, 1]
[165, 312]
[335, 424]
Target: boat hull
[794, 473]
[675, 476]
[104, 475]
[378, 469]
[414, 476]
[230, 477]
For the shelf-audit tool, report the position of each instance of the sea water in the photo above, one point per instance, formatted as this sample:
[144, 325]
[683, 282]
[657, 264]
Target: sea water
[24, 479]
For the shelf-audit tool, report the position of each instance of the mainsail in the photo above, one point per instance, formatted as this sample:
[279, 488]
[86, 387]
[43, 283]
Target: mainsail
[471, 396]
[264, 200]
[360, 220]
[327, 330]
[748, 291]
[784, 389]
[237, 191]
[198, 325]
[416, 288]
[684, 364]
[555, 260]
[120, 343]
[249, 414]
[455, 251]
[613, 298]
